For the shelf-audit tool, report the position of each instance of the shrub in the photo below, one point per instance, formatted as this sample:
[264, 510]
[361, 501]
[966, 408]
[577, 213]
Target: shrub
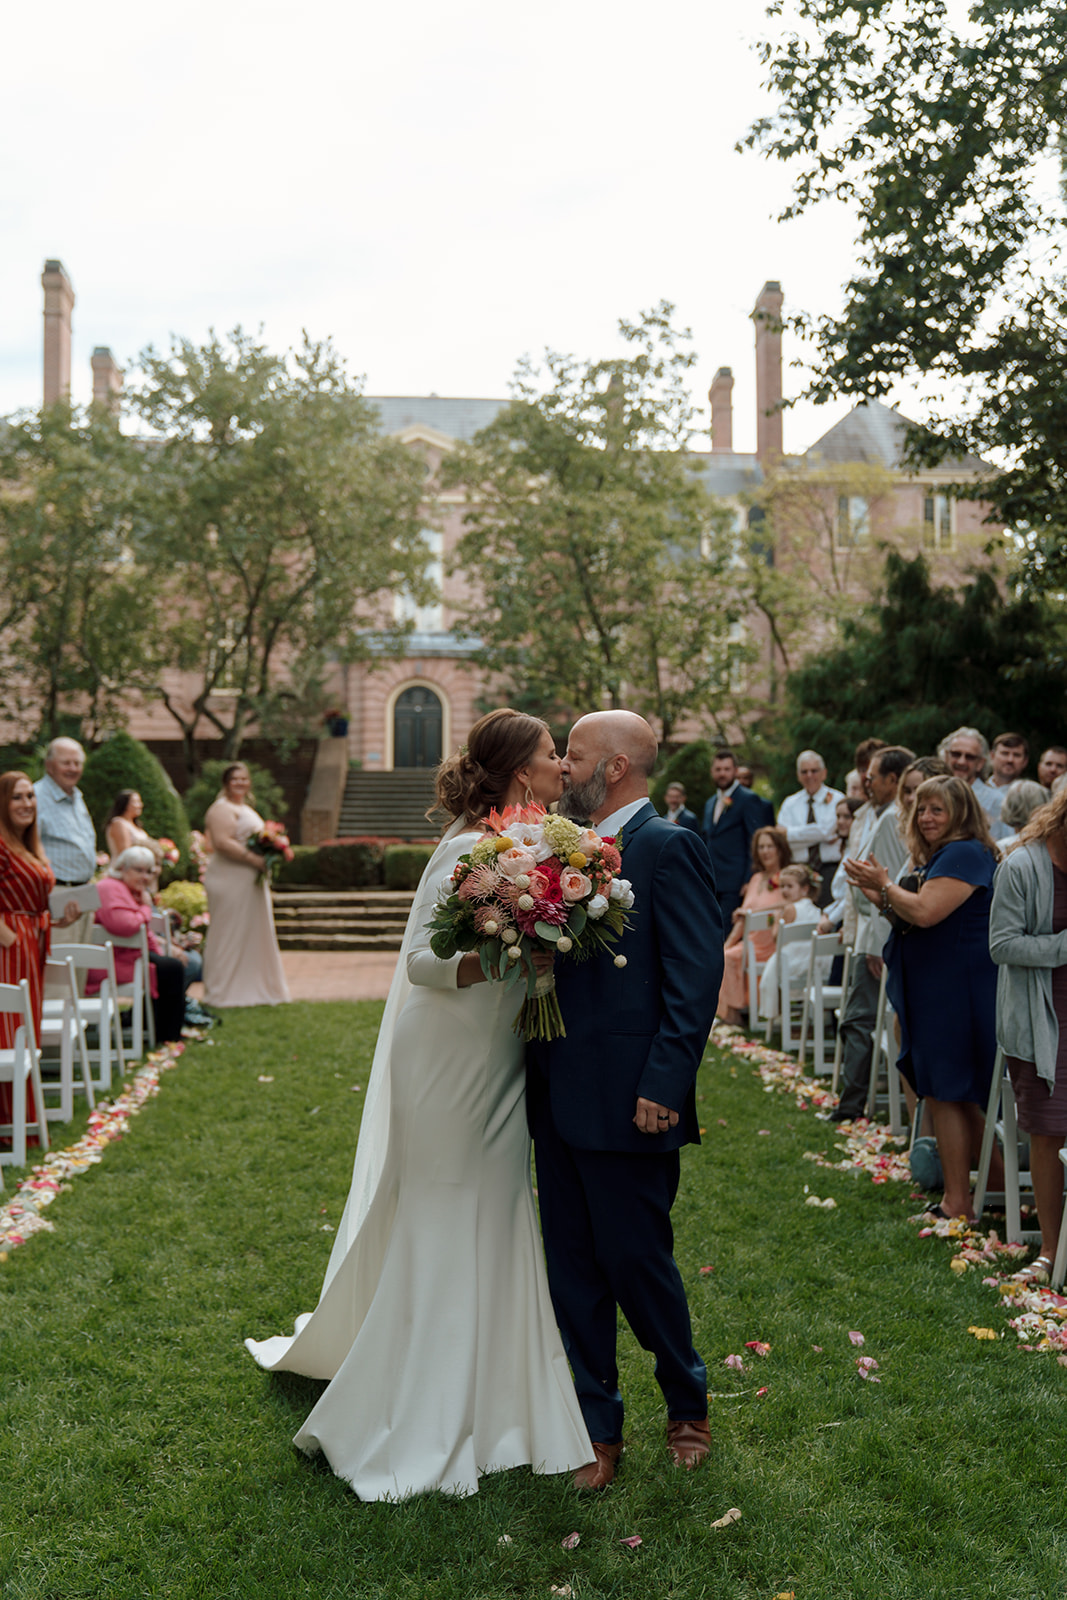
[405, 864]
[302, 871]
[355, 865]
[691, 767]
[204, 791]
[123, 762]
[188, 899]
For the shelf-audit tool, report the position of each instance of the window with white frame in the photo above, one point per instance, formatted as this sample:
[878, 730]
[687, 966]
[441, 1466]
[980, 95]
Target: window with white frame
[937, 521]
[429, 618]
[853, 525]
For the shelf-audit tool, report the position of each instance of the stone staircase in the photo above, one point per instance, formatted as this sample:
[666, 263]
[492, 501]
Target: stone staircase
[393, 804]
[341, 919]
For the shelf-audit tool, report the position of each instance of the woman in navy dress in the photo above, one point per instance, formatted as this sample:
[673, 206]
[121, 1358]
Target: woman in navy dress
[942, 981]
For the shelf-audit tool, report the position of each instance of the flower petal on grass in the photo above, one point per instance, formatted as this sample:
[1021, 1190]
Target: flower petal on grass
[867, 1366]
[735, 1362]
[983, 1333]
[857, 1338]
[563, 1589]
[758, 1346]
[571, 1542]
[505, 1538]
[705, 1270]
[265, 1077]
[733, 1515]
[760, 1392]
[632, 1541]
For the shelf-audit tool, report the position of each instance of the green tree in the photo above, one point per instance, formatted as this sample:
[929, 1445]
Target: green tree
[691, 767]
[76, 604]
[601, 566]
[927, 660]
[943, 125]
[282, 523]
[268, 799]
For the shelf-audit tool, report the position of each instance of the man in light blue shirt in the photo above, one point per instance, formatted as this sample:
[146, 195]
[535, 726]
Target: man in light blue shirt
[63, 821]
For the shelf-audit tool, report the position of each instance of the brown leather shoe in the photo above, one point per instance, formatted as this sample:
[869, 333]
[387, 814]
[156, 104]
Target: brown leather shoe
[599, 1473]
[688, 1442]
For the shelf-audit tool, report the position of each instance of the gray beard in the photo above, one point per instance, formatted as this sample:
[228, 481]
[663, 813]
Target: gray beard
[580, 800]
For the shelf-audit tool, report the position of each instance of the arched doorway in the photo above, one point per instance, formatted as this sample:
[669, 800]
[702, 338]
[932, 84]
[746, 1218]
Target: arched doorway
[417, 728]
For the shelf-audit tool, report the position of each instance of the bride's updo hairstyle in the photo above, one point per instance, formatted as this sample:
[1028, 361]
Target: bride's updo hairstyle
[476, 778]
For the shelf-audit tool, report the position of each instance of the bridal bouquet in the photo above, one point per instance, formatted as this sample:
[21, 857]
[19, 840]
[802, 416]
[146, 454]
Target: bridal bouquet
[534, 881]
[272, 842]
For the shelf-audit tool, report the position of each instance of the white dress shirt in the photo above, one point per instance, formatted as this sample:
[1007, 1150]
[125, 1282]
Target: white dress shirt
[609, 828]
[802, 834]
[722, 796]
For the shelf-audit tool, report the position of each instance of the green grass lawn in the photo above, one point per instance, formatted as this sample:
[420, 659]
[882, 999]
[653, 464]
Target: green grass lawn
[143, 1453]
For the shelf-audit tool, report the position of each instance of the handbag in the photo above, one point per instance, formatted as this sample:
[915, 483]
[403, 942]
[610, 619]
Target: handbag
[912, 882]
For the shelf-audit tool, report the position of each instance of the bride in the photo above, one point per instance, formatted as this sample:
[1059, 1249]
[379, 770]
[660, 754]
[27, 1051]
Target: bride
[434, 1325]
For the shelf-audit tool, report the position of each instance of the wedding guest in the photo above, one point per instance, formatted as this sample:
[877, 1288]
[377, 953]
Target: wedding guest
[729, 823]
[799, 888]
[810, 820]
[125, 907]
[1053, 765]
[1028, 941]
[862, 822]
[26, 881]
[677, 810]
[1008, 757]
[941, 976]
[1021, 800]
[833, 914]
[123, 827]
[242, 963]
[966, 753]
[65, 826]
[770, 854]
[882, 844]
[914, 777]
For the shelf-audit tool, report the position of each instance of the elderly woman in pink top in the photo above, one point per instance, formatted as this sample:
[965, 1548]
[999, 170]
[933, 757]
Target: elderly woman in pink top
[124, 908]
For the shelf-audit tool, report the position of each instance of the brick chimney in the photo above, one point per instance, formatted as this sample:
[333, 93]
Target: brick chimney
[722, 409]
[107, 380]
[58, 305]
[768, 319]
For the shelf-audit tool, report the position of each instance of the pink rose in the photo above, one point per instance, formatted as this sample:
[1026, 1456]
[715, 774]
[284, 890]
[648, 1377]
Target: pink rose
[515, 861]
[575, 885]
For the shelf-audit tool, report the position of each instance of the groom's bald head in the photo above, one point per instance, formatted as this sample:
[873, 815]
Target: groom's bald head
[609, 757]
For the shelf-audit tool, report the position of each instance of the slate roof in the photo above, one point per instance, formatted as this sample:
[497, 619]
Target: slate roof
[456, 416]
[873, 435]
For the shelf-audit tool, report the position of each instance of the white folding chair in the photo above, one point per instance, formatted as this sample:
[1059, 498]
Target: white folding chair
[1002, 1099]
[99, 1010]
[160, 924]
[839, 1012]
[789, 933]
[19, 1066]
[137, 989]
[61, 1025]
[1059, 1266]
[755, 922]
[884, 1052]
[819, 998]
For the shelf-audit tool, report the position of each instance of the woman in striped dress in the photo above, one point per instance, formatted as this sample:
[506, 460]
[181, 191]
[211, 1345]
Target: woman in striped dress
[26, 881]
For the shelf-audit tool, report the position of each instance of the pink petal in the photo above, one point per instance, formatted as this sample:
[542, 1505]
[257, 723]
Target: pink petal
[735, 1362]
[705, 1270]
[633, 1541]
[817, 1348]
[761, 1392]
[764, 1133]
[571, 1542]
[857, 1338]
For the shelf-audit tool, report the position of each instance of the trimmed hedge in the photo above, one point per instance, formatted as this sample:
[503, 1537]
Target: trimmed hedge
[691, 767]
[405, 864]
[123, 762]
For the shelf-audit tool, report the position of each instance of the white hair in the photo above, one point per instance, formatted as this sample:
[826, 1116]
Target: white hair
[135, 855]
[967, 733]
[50, 753]
[811, 755]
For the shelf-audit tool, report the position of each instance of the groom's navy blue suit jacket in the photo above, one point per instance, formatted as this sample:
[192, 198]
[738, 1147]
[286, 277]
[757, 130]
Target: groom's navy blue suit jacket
[639, 1030]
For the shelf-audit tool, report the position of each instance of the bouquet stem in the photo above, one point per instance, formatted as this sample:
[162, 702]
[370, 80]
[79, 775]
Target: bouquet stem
[539, 1015]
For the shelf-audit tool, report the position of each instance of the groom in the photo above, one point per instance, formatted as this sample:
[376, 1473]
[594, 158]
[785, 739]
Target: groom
[611, 1104]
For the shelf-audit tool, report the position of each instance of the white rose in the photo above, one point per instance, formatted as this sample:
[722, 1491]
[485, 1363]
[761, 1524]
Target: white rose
[628, 900]
[616, 889]
[541, 851]
[597, 907]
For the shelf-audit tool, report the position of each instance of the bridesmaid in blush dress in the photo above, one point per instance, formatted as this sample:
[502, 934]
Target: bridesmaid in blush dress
[770, 854]
[26, 881]
[242, 962]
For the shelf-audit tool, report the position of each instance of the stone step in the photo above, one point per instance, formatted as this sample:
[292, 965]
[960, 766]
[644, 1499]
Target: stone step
[388, 803]
[400, 899]
[339, 941]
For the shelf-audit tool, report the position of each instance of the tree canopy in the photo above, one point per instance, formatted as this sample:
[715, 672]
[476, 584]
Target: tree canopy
[600, 562]
[943, 126]
[926, 660]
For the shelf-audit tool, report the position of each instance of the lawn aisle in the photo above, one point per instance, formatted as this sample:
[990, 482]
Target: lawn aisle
[143, 1454]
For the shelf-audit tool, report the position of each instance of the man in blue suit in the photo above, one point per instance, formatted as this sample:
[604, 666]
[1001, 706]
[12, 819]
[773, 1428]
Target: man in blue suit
[677, 810]
[611, 1104]
[731, 817]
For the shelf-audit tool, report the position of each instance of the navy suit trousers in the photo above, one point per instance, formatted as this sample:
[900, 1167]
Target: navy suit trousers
[605, 1215]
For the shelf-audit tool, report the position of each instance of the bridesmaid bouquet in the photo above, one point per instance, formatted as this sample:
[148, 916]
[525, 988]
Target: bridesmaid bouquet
[171, 853]
[535, 881]
[272, 842]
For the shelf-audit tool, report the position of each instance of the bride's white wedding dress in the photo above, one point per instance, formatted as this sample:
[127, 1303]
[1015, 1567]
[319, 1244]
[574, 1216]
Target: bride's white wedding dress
[434, 1325]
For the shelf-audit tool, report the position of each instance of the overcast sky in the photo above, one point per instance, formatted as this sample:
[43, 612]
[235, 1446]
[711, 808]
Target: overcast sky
[439, 189]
